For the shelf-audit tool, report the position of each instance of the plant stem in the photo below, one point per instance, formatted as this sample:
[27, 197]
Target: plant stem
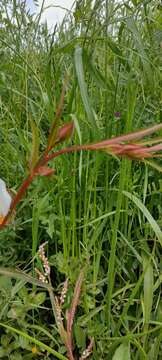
[18, 196]
[102, 145]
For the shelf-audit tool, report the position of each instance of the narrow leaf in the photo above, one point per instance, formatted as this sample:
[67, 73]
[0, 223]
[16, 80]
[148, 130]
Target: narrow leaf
[83, 86]
[154, 165]
[116, 50]
[35, 144]
[148, 288]
[12, 273]
[140, 47]
[147, 214]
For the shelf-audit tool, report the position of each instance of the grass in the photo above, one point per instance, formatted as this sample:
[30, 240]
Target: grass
[96, 211]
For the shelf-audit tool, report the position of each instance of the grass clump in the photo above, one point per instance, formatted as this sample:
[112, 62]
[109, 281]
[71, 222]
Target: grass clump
[100, 72]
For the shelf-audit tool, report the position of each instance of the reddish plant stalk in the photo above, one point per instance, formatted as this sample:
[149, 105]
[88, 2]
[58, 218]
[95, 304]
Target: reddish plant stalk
[69, 351]
[112, 146]
[71, 314]
[18, 197]
[43, 161]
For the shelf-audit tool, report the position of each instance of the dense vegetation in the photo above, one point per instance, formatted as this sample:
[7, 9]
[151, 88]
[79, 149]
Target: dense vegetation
[109, 53]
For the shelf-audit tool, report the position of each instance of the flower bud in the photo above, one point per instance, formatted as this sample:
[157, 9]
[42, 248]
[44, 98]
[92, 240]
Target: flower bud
[45, 171]
[65, 132]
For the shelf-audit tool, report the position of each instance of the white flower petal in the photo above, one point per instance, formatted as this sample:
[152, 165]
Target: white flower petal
[5, 199]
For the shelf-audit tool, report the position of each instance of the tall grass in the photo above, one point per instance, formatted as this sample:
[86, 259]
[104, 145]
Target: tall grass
[96, 211]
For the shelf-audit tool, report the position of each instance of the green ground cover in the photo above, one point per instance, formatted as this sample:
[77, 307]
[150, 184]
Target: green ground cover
[98, 213]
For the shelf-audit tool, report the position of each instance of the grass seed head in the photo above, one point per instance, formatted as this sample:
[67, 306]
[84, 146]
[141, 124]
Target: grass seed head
[44, 259]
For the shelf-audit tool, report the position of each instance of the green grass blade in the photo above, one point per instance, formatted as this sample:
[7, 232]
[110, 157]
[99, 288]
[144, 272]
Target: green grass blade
[83, 86]
[35, 341]
[154, 225]
[25, 277]
[148, 289]
[140, 47]
[111, 267]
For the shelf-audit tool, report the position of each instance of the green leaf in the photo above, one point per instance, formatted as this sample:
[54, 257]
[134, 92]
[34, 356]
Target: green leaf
[148, 287]
[39, 298]
[16, 356]
[80, 336]
[35, 144]
[140, 47]
[23, 342]
[34, 341]
[147, 214]
[159, 312]
[2, 353]
[12, 273]
[37, 208]
[122, 352]
[83, 86]
[46, 99]
[78, 131]
[154, 349]
[5, 284]
[153, 164]
[5, 340]
[98, 77]
[116, 50]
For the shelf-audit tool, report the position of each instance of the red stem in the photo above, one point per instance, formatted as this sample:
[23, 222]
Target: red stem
[70, 149]
[18, 196]
[69, 350]
[43, 160]
[101, 145]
